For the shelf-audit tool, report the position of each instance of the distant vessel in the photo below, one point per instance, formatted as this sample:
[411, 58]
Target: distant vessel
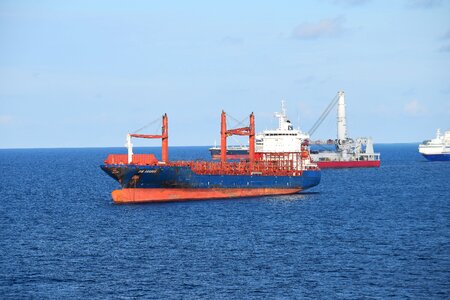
[233, 152]
[437, 149]
[145, 179]
[348, 153]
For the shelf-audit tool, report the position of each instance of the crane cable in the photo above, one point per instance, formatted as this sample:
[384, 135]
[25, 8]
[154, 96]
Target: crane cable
[323, 115]
[239, 123]
[147, 125]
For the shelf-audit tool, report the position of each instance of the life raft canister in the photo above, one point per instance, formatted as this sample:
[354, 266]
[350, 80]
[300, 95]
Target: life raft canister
[305, 154]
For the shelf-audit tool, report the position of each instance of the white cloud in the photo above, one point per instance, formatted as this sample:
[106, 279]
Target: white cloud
[323, 28]
[414, 108]
[5, 120]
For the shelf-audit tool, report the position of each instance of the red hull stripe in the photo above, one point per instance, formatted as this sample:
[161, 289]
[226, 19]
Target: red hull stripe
[181, 194]
[349, 164]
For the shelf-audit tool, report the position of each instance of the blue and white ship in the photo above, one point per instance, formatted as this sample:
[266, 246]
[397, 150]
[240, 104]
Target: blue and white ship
[437, 149]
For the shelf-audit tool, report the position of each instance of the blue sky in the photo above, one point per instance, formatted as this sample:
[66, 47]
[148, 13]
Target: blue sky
[84, 73]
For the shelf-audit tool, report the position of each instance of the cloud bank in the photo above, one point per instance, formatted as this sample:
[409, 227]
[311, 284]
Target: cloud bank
[414, 108]
[5, 120]
[325, 28]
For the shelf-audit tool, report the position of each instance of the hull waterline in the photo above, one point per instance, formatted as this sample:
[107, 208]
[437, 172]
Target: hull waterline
[158, 195]
[348, 164]
[437, 157]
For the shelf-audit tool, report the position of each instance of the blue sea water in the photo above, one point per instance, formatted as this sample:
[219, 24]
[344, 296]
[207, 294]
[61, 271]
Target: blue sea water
[362, 233]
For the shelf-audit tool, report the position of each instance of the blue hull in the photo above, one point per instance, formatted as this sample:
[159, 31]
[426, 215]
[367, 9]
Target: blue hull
[134, 176]
[437, 157]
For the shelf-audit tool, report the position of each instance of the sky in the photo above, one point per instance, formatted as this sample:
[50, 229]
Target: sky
[85, 73]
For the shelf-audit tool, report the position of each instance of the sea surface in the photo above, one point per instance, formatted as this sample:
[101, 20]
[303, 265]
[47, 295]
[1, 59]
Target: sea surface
[362, 233]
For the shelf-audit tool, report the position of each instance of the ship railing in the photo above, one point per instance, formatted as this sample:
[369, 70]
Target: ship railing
[369, 156]
[137, 159]
[276, 164]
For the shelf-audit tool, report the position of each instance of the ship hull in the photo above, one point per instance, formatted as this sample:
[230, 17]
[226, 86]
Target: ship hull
[437, 157]
[138, 195]
[178, 183]
[348, 164]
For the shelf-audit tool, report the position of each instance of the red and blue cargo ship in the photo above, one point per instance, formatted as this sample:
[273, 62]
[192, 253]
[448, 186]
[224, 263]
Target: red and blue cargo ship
[145, 179]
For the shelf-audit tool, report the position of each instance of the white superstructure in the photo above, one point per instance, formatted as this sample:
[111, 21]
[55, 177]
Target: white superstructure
[439, 145]
[283, 139]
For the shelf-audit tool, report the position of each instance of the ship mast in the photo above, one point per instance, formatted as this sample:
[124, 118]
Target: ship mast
[129, 146]
[281, 117]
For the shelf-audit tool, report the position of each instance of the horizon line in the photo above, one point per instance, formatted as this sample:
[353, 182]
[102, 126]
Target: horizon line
[137, 147]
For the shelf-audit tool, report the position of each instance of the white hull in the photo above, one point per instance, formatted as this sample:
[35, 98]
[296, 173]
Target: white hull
[437, 146]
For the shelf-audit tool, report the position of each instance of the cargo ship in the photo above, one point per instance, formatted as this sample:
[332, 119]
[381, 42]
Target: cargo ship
[238, 152]
[143, 178]
[437, 149]
[347, 152]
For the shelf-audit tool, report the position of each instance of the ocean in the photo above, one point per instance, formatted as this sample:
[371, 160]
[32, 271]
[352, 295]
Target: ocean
[361, 233]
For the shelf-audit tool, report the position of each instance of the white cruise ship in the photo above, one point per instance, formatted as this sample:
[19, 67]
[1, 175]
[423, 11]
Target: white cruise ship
[437, 148]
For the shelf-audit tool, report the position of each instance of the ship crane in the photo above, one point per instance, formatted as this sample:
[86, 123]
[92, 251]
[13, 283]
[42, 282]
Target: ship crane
[338, 100]
[343, 143]
[347, 148]
[164, 136]
[341, 118]
[243, 131]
